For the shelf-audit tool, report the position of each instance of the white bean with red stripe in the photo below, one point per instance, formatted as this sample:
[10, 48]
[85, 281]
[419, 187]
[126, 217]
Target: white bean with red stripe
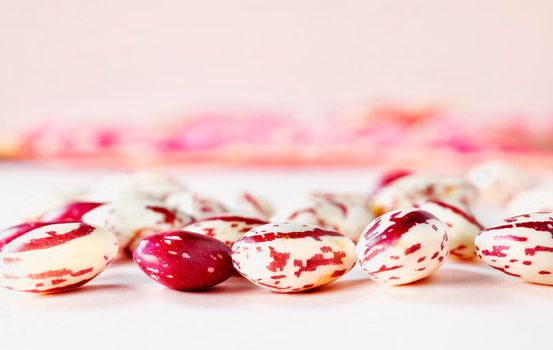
[333, 212]
[403, 246]
[462, 227]
[287, 257]
[521, 246]
[253, 205]
[198, 206]
[143, 185]
[131, 220]
[412, 189]
[356, 198]
[499, 182]
[56, 257]
[42, 202]
[227, 228]
[532, 201]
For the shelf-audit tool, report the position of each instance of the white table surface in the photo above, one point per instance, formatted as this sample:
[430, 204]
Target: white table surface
[462, 306]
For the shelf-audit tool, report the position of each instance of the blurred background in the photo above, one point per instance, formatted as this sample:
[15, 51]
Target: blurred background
[288, 83]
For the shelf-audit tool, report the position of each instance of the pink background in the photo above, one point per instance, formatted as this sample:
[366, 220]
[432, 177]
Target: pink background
[135, 59]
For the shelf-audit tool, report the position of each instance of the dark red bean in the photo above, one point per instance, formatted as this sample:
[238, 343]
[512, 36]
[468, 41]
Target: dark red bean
[184, 260]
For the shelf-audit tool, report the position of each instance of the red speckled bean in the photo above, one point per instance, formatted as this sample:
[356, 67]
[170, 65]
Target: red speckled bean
[403, 246]
[184, 260]
[521, 246]
[289, 258]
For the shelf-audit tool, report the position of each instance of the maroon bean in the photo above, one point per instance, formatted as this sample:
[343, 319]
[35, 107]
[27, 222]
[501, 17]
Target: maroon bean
[184, 260]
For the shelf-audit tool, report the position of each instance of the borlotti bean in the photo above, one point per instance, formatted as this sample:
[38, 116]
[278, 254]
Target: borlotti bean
[227, 228]
[43, 201]
[184, 260]
[251, 204]
[390, 176]
[143, 185]
[129, 219]
[69, 213]
[196, 205]
[462, 227]
[499, 182]
[343, 213]
[532, 201]
[413, 189]
[521, 246]
[287, 257]
[354, 209]
[348, 198]
[403, 246]
[51, 258]
[11, 233]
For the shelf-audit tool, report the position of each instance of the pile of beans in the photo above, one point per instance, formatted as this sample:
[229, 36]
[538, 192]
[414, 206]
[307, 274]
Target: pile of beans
[401, 232]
